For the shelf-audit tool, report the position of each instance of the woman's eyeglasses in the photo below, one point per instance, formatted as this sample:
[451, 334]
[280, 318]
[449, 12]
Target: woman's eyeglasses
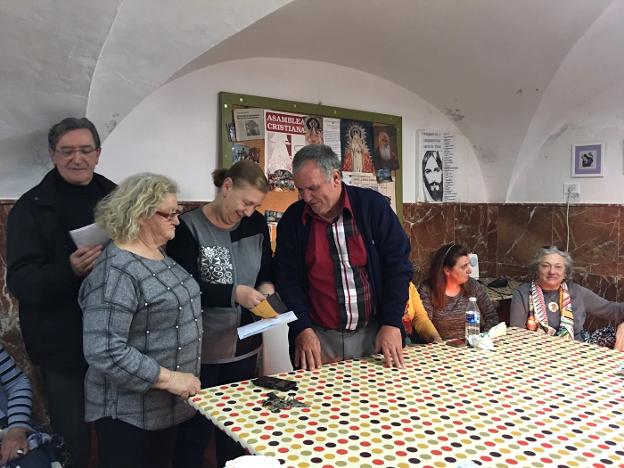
[170, 216]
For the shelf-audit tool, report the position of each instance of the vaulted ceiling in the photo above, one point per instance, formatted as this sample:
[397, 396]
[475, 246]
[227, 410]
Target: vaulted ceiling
[487, 64]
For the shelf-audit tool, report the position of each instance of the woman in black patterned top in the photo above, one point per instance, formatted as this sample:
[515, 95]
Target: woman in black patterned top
[225, 245]
[142, 328]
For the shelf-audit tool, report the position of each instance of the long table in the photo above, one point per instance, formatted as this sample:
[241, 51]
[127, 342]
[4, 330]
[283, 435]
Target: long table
[533, 401]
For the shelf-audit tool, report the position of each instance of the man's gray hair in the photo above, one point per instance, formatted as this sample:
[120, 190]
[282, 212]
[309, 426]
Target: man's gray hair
[322, 155]
[542, 252]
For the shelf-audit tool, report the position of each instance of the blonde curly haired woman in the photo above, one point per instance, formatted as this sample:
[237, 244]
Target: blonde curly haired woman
[142, 328]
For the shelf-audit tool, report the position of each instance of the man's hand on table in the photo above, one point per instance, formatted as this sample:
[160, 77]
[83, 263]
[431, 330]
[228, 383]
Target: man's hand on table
[390, 343]
[307, 350]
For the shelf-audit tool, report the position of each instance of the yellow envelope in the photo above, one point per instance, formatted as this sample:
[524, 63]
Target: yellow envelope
[271, 307]
[264, 310]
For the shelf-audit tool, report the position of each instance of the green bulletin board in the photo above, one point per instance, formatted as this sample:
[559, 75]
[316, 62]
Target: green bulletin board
[232, 130]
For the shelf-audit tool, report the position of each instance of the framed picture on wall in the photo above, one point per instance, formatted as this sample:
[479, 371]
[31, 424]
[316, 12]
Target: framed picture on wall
[588, 160]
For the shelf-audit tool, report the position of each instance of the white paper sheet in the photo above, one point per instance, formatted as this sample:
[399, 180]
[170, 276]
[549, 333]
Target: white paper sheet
[264, 324]
[91, 234]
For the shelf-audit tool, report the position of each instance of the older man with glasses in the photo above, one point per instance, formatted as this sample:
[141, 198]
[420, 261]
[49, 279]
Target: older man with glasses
[45, 270]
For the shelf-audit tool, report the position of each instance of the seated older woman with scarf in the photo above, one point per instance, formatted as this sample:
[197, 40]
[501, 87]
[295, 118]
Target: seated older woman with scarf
[555, 306]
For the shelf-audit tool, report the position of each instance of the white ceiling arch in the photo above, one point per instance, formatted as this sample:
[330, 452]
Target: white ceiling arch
[485, 63]
[148, 43]
[95, 58]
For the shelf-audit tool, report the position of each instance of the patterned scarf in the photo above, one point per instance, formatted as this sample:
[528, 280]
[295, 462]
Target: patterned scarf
[537, 307]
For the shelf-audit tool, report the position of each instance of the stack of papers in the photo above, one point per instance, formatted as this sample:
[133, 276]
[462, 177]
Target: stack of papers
[265, 324]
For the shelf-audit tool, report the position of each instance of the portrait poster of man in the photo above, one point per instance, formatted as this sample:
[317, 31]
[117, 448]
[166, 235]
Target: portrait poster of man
[385, 155]
[357, 143]
[313, 130]
[432, 173]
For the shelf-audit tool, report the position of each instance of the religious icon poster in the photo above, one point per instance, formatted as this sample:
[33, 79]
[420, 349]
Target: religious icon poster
[437, 166]
[357, 143]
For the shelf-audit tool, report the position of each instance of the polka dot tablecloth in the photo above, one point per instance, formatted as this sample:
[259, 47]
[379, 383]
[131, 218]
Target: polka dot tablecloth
[533, 401]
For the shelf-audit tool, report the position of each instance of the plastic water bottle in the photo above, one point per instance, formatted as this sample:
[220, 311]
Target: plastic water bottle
[473, 319]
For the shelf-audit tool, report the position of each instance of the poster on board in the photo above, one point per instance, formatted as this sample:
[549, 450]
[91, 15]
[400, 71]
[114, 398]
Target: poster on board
[331, 134]
[248, 124]
[313, 130]
[252, 150]
[366, 180]
[385, 152]
[438, 168]
[284, 136]
[357, 141]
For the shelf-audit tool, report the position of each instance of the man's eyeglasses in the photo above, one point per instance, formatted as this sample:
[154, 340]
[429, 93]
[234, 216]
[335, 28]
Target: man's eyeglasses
[170, 216]
[84, 150]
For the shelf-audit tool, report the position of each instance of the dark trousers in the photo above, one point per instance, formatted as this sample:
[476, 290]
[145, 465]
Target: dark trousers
[193, 435]
[65, 393]
[122, 445]
[37, 458]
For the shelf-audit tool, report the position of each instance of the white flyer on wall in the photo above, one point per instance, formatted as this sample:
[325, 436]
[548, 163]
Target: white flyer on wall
[437, 165]
[368, 180]
[249, 124]
[331, 134]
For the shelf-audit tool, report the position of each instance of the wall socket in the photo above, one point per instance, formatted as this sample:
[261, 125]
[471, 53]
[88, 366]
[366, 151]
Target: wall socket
[571, 191]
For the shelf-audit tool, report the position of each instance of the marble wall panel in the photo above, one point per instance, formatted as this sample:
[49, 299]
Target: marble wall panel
[8, 308]
[430, 226]
[492, 234]
[621, 238]
[487, 269]
[516, 272]
[521, 230]
[471, 229]
[604, 286]
[409, 210]
[9, 326]
[594, 233]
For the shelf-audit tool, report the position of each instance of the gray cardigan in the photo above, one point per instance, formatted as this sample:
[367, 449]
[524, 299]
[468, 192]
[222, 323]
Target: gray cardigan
[139, 314]
[583, 300]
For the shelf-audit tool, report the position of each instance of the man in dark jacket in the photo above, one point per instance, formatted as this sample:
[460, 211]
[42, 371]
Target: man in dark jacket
[342, 265]
[45, 270]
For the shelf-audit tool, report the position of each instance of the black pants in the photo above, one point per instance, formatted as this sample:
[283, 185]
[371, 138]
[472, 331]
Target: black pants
[65, 393]
[122, 445]
[37, 458]
[193, 435]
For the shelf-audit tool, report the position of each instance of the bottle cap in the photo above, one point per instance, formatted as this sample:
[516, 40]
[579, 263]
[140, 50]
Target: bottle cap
[473, 299]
